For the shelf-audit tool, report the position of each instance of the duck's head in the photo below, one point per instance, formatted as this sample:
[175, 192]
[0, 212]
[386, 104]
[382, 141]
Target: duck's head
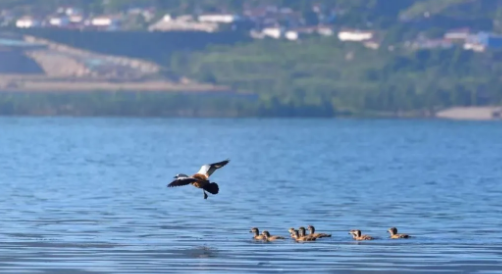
[291, 230]
[180, 175]
[311, 228]
[254, 230]
[355, 232]
[392, 230]
[294, 232]
[265, 233]
[301, 229]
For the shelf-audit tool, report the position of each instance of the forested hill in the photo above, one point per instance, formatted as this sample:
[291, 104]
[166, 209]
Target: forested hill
[351, 78]
[325, 76]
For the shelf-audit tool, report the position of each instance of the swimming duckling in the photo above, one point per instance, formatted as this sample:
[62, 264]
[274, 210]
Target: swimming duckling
[256, 234]
[267, 236]
[395, 235]
[292, 232]
[356, 235]
[200, 179]
[302, 233]
[317, 235]
[299, 238]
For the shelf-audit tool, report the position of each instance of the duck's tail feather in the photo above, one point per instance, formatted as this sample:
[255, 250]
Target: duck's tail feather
[212, 188]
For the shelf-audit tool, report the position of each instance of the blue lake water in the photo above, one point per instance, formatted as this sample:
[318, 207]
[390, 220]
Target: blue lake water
[89, 195]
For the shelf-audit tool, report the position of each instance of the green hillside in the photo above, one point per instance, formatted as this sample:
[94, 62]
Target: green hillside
[349, 77]
[318, 75]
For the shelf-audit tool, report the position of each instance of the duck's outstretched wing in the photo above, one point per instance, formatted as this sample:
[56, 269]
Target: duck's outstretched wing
[210, 168]
[181, 181]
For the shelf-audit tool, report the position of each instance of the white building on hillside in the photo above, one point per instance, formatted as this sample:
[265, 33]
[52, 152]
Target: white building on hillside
[355, 35]
[59, 21]
[458, 34]
[27, 22]
[291, 35]
[273, 32]
[182, 23]
[218, 18]
[104, 22]
[101, 21]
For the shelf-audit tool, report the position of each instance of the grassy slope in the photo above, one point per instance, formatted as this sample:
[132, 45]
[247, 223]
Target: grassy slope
[349, 76]
[431, 6]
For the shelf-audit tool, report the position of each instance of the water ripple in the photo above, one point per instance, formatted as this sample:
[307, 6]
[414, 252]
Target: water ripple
[89, 195]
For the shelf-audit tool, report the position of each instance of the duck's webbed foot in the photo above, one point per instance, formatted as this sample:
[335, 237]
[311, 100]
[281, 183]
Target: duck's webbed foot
[205, 195]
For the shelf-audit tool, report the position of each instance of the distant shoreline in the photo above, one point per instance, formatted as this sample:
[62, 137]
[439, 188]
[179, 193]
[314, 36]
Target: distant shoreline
[471, 113]
[70, 116]
[196, 104]
[47, 85]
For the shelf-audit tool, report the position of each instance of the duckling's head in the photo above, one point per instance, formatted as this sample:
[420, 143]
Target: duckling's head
[392, 230]
[311, 229]
[295, 233]
[291, 230]
[254, 230]
[265, 233]
[355, 232]
[301, 229]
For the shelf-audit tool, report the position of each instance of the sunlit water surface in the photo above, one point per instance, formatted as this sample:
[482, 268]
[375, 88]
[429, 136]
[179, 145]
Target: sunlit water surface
[89, 195]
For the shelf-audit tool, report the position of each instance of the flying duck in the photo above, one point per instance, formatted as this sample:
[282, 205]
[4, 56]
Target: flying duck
[200, 179]
[356, 235]
[395, 235]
